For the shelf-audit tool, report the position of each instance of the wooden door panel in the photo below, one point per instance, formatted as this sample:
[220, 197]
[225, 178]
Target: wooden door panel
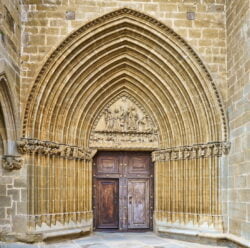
[138, 164]
[108, 163]
[138, 203]
[107, 203]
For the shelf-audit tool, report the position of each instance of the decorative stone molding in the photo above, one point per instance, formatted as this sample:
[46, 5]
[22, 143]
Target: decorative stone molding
[216, 149]
[12, 162]
[41, 147]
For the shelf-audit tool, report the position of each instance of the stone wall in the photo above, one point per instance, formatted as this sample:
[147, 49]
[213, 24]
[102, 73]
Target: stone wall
[238, 63]
[47, 23]
[12, 190]
[10, 36]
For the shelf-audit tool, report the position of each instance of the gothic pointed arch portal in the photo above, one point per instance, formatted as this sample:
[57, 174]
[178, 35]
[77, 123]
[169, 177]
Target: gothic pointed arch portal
[171, 106]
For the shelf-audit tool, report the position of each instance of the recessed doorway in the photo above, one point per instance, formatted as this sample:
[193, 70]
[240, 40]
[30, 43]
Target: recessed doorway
[123, 191]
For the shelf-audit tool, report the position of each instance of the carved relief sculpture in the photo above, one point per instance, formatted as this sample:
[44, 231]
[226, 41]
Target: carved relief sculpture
[124, 123]
[12, 162]
[215, 149]
[53, 149]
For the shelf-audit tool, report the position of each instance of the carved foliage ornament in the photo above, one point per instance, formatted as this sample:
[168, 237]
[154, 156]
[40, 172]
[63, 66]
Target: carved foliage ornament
[192, 152]
[12, 162]
[123, 122]
[53, 149]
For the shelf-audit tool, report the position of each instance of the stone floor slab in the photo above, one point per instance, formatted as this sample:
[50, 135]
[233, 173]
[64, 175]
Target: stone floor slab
[114, 240]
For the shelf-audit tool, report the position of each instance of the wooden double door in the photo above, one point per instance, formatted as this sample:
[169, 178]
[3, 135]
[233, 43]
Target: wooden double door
[123, 190]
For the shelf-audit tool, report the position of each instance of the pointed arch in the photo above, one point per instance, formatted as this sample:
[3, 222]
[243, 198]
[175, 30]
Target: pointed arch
[125, 50]
[3, 134]
[8, 116]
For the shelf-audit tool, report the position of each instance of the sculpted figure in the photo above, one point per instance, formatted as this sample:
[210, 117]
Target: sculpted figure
[208, 151]
[148, 125]
[167, 155]
[193, 153]
[132, 119]
[81, 154]
[68, 151]
[186, 153]
[226, 148]
[180, 154]
[109, 124]
[217, 151]
[201, 151]
[22, 146]
[142, 124]
[46, 148]
[123, 119]
[116, 118]
[174, 155]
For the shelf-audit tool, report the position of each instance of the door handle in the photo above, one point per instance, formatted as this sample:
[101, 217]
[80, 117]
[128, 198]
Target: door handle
[130, 199]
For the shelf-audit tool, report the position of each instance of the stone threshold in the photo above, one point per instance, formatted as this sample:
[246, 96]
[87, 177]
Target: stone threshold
[197, 236]
[40, 236]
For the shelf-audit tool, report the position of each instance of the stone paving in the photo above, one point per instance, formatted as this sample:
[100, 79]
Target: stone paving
[113, 240]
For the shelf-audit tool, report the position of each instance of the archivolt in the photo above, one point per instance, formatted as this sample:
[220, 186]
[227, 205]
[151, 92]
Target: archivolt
[125, 51]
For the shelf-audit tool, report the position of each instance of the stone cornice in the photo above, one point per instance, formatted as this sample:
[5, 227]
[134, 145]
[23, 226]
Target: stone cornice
[213, 149]
[26, 145]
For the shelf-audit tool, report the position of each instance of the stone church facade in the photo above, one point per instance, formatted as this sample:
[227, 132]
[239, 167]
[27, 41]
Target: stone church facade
[125, 115]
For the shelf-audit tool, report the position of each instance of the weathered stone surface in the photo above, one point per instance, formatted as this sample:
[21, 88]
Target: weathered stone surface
[14, 193]
[2, 213]
[141, 57]
[20, 183]
[237, 13]
[5, 201]
[2, 189]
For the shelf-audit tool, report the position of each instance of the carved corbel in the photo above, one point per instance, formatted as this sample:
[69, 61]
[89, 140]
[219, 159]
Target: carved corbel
[226, 148]
[92, 153]
[12, 162]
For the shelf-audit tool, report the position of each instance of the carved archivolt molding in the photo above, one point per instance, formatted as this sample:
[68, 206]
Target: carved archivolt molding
[216, 149]
[12, 162]
[129, 59]
[124, 123]
[26, 145]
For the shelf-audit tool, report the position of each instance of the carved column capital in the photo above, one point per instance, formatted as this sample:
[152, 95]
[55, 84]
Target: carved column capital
[212, 149]
[12, 162]
[49, 148]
